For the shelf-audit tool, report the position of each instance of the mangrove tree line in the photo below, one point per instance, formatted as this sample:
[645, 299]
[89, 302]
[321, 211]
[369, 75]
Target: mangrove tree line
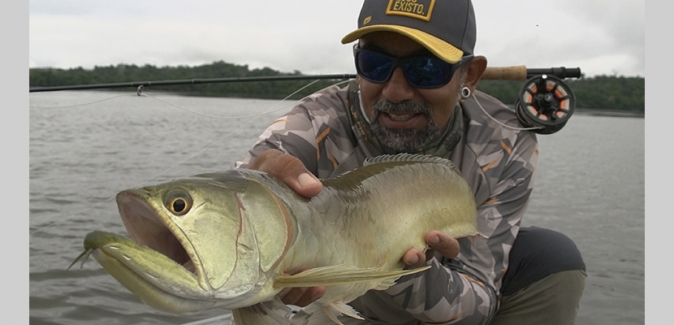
[617, 93]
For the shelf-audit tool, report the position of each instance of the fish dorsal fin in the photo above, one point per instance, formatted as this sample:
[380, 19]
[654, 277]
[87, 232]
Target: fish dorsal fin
[406, 157]
[373, 166]
[341, 274]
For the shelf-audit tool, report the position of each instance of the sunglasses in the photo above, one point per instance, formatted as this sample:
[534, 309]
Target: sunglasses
[420, 71]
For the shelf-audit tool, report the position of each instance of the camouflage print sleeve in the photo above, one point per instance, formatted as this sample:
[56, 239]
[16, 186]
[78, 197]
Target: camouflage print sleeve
[292, 133]
[440, 295]
[317, 131]
[507, 164]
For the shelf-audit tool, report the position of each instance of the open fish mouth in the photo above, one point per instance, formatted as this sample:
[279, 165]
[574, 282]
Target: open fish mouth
[154, 264]
[146, 228]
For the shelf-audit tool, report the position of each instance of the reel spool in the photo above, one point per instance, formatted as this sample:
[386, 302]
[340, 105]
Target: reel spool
[545, 102]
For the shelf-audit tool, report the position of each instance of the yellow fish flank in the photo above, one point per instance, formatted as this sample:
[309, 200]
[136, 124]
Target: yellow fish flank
[229, 240]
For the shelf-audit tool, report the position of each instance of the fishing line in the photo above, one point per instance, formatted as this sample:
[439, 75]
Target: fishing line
[209, 145]
[219, 139]
[270, 110]
[82, 104]
[502, 124]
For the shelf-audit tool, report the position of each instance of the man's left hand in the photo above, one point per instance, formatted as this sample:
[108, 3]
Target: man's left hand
[437, 242]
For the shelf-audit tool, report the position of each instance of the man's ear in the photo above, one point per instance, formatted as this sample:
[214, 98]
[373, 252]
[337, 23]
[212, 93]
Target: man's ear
[474, 70]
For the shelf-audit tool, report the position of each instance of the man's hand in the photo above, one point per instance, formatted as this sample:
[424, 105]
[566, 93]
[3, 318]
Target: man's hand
[289, 170]
[437, 241]
[301, 296]
[292, 172]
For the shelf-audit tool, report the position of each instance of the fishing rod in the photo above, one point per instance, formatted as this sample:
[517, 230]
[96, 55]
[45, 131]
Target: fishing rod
[545, 103]
[137, 84]
[520, 73]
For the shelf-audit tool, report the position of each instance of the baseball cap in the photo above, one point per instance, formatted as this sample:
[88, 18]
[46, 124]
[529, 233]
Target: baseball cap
[444, 27]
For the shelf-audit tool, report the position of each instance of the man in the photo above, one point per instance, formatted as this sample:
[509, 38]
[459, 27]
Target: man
[415, 93]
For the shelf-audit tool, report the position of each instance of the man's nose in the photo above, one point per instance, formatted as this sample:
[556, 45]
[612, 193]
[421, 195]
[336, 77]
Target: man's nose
[397, 88]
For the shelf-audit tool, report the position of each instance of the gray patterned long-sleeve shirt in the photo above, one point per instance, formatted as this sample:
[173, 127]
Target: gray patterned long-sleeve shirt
[328, 133]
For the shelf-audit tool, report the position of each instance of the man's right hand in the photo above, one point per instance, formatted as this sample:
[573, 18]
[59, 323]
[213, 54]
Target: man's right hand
[289, 170]
[292, 172]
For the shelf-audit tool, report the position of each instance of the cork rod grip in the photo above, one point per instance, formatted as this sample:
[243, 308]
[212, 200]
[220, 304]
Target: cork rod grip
[518, 72]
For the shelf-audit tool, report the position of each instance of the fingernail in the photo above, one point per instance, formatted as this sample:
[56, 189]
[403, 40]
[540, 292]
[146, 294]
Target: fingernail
[434, 240]
[306, 179]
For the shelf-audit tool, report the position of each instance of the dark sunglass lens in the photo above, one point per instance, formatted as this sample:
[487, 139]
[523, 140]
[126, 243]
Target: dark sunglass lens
[373, 66]
[427, 72]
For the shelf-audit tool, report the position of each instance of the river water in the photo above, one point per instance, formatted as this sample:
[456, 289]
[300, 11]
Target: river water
[86, 146]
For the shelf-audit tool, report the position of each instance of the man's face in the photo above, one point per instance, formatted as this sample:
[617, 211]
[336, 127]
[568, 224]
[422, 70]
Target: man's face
[401, 116]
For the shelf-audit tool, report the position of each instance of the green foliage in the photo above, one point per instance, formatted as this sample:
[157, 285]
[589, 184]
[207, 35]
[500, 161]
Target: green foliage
[617, 93]
[600, 92]
[49, 77]
[503, 90]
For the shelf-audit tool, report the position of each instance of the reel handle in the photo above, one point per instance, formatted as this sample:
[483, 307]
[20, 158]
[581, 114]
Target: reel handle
[521, 73]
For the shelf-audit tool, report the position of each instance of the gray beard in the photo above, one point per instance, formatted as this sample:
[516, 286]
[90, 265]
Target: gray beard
[404, 140]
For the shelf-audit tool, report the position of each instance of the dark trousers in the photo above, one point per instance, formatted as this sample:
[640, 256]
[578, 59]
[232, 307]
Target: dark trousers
[544, 281]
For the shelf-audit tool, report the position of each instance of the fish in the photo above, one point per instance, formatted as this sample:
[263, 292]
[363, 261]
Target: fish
[235, 239]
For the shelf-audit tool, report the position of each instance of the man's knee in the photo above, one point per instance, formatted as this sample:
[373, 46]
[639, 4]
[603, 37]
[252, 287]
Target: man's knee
[553, 300]
[538, 253]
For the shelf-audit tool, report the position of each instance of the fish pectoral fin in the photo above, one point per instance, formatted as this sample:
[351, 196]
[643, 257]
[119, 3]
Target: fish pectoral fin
[335, 309]
[273, 312]
[345, 309]
[340, 274]
[329, 312]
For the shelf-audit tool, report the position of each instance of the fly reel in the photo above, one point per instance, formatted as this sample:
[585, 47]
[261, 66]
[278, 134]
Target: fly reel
[546, 103]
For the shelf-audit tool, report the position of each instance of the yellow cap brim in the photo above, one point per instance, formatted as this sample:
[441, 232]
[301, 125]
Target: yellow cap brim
[445, 51]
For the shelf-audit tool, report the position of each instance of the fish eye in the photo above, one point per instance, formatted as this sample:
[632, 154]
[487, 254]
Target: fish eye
[178, 202]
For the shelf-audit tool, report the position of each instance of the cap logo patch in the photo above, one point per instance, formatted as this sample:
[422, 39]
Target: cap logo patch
[419, 9]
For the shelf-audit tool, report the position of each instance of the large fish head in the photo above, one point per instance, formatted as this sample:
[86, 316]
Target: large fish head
[227, 229]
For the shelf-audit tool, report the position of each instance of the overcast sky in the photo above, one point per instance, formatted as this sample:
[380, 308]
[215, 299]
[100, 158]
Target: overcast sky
[599, 36]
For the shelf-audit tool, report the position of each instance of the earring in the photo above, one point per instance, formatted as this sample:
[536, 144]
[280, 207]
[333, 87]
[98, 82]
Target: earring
[465, 92]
